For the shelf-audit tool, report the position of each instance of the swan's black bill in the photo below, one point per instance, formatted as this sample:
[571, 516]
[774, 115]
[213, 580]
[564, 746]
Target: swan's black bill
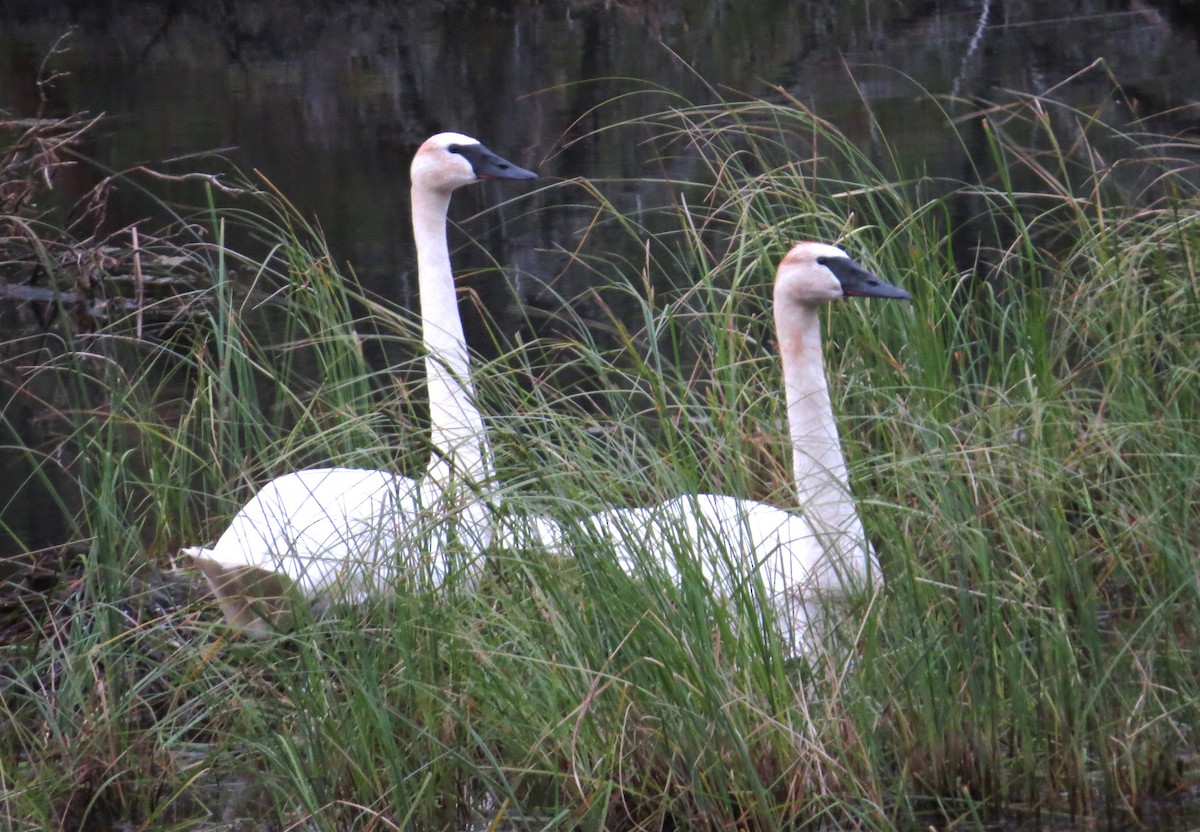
[487, 165]
[857, 282]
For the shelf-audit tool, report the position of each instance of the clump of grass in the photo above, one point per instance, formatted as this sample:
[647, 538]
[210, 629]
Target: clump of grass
[1023, 443]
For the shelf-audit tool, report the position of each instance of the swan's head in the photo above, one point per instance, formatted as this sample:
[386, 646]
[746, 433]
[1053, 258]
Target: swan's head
[815, 273]
[450, 160]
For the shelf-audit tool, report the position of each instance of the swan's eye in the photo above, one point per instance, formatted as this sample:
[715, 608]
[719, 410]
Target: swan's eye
[454, 148]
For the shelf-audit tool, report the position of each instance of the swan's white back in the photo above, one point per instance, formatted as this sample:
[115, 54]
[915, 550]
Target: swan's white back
[350, 532]
[737, 546]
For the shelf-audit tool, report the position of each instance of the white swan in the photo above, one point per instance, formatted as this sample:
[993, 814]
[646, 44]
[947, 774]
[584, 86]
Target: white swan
[805, 559]
[343, 532]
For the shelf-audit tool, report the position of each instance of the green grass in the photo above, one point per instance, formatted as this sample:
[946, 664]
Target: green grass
[1023, 441]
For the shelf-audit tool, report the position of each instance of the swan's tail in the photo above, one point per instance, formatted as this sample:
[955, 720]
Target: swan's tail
[254, 600]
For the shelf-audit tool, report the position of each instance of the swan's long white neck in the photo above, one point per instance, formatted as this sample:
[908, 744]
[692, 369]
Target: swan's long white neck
[460, 447]
[822, 484]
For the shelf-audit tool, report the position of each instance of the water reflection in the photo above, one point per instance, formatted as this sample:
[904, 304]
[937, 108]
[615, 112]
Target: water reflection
[329, 106]
[330, 100]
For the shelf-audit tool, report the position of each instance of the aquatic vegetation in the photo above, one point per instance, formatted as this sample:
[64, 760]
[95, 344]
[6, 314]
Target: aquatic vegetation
[1022, 439]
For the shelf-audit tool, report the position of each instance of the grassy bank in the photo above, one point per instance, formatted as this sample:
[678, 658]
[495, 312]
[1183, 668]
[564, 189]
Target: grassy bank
[1022, 438]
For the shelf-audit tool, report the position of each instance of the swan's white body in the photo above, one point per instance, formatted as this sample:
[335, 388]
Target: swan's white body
[344, 533]
[803, 560]
[734, 544]
[348, 533]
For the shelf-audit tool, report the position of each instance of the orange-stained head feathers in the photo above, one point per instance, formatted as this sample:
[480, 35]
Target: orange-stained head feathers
[450, 160]
[815, 273]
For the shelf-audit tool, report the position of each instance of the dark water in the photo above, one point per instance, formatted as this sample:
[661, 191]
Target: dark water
[329, 99]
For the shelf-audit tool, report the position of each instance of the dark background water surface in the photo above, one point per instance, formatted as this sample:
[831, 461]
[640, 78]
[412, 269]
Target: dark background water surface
[328, 100]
